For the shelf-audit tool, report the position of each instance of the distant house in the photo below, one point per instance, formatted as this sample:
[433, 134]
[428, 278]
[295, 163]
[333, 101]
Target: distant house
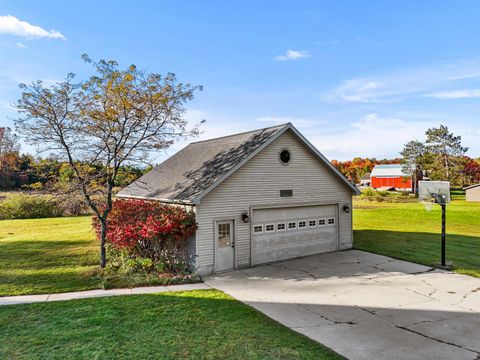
[390, 176]
[365, 180]
[472, 193]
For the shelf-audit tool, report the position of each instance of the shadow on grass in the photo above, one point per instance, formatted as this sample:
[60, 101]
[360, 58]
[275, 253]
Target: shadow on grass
[208, 324]
[35, 267]
[422, 247]
[53, 281]
[189, 325]
[45, 253]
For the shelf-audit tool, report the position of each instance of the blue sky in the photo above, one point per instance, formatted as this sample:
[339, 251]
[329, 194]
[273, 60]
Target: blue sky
[357, 78]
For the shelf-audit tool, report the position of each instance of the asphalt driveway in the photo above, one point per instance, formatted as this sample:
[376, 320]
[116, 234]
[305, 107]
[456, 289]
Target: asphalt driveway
[366, 306]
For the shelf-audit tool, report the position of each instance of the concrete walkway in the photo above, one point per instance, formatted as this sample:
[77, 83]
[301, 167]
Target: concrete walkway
[26, 299]
[366, 306]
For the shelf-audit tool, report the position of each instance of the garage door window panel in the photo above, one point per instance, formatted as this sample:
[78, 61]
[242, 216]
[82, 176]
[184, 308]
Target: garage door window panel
[322, 222]
[302, 224]
[312, 223]
[292, 225]
[331, 221]
[269, 228]
[281, 226]
[258, 229]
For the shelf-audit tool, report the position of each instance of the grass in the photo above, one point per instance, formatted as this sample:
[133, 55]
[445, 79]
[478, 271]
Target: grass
[39, 256]
[55, 255]
[407, 231]
[48, 255]
[206, 324]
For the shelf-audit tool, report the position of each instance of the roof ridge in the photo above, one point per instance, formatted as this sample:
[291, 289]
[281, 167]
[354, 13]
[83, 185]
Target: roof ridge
[241, 133]
[471, 186]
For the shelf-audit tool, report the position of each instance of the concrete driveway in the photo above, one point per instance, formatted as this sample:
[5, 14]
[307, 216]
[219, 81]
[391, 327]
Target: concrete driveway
[366, 306]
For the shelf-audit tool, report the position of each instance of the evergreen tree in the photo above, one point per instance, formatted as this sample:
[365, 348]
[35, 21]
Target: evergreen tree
[447, 153]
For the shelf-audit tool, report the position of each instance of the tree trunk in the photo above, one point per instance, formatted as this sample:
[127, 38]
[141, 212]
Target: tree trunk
[103, 234]
[447, 168]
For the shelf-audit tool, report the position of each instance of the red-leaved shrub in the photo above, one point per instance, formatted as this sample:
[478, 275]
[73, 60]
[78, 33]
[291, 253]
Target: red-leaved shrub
[151, 230]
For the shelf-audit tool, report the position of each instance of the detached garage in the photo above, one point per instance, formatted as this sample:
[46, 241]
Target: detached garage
[472, 193]
[259, 197]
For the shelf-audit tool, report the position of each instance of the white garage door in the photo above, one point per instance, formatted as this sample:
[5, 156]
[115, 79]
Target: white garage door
[283, 233]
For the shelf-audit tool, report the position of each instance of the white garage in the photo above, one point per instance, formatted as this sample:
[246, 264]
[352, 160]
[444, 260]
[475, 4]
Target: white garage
[259, 197]
[283, 233]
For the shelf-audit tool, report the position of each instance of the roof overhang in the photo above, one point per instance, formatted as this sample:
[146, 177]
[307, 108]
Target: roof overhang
[168, 201]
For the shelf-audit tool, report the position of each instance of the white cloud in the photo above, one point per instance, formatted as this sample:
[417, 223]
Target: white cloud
[396, 85]
[12, 26]
[455, 94]
[292, 55]
[21, 45]
[370, 136]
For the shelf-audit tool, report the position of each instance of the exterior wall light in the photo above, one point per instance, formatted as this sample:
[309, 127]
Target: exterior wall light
[245, 217]
[346, 208]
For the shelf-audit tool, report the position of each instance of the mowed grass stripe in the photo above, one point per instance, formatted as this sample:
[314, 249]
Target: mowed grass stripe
[48, 256]
[407, 231]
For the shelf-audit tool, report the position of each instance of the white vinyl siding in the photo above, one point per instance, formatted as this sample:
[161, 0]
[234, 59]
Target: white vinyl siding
[258, 183]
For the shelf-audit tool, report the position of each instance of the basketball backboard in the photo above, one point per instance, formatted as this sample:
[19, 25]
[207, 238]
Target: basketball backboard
[434, 191]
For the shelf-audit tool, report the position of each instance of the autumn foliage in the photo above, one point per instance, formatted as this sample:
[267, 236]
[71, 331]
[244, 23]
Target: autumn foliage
[150, 230]
[357, 168]
[354, 170]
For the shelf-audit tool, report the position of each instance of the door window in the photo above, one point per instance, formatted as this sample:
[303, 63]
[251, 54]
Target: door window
[224, 235]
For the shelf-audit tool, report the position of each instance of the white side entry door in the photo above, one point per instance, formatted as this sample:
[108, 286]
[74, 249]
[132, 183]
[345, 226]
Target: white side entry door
[224, 246]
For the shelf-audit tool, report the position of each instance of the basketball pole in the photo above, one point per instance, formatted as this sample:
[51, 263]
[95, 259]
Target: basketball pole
[443, 234]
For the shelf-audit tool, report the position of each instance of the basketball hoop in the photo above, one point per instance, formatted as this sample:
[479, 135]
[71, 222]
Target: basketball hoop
[428, 205]
[436, 192]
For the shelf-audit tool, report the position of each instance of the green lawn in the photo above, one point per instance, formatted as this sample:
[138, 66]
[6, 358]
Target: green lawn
[407, 231]
[47, 255]
[205, 324]
[61, 254]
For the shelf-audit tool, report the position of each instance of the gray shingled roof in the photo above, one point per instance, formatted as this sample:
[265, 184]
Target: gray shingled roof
[198, 166]
[471, 186]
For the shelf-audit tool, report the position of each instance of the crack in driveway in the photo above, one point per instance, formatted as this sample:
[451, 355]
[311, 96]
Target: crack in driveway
[384, 312]
[334, 322]
[406, 328]
[470, 293]
[438, 340]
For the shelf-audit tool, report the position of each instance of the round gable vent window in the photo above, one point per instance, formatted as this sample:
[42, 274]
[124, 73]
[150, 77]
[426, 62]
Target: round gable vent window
[285, 157]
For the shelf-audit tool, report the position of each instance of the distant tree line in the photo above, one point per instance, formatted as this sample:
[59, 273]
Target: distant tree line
[21, 171]
[440, 157]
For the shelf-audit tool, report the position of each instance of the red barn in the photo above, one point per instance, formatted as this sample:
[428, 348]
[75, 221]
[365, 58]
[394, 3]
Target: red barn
[390, 175]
